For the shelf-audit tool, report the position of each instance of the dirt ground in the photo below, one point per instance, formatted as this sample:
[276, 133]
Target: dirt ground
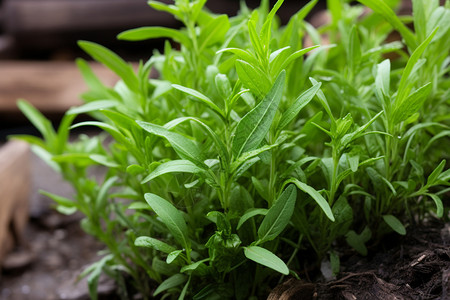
[413, 267]
[54, 249]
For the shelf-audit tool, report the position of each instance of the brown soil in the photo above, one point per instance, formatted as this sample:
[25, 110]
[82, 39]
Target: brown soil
[416, 266]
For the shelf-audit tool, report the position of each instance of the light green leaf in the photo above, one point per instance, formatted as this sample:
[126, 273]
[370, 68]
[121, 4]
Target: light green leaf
[149, 242]
[145, 33]
[315, 195]
[411, 104]
[278, 215]
[92, 106]
[185, 147]
[298, 105]
[439, 205]
[253, 78]
[113, 62]
[63, 201]
[171, 282]
[200, 97]
[172, 9]
[250, 213]
[395, 224]
[266, 258]
[254, 126]
[249, 155]
[171, 217]
[38, 120]
[173, 166]
[213, 32]
[436, 172]
[404, 86]
[173, 256]
[380, 7]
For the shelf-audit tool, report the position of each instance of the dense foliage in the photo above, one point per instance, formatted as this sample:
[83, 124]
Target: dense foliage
[248, 147]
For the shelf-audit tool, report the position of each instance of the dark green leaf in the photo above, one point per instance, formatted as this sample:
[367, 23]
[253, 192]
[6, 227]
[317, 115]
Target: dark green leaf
[254, 126]
[278, 215]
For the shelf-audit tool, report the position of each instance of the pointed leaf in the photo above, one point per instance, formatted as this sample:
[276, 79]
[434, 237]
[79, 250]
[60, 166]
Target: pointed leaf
[145, 33]
[439, 205]
[298, 105]
[200, 97]
[395, 224]
[266, 258]
[112, 61]
[185, 147]
[278, 215]
[315, 195]
[250, 213]
[171, 282]
[254, 126]
[173, 166]
[149, 242]
[171, 217]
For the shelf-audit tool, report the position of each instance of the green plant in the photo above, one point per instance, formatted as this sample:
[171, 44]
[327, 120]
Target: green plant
[225, 167]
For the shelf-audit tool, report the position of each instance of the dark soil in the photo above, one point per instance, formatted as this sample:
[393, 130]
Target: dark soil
[416, 266]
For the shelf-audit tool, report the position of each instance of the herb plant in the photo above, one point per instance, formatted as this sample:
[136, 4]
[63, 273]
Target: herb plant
[249, 148]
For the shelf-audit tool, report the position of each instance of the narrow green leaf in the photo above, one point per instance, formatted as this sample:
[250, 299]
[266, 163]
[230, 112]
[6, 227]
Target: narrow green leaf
[439, 204]
[92, 106]
[254, 126]
[436, 172]
[266, 258]
[200, 97]
[89, 77]
[380, 7]
[250, 213]
[186, 148]
[173, 166]
[242, 54]
[253, 78]
[95, 275]
[173, 256]
[354, 53]
[298, 105]
[112, 61]
[411, 104]
[315, 195]
[213, 32]
[63, 201]
[171, 217]
[293, 57]
[278, 215]
[171, 9]
[403, 89]
[38, 120]
[149, 242]
[249, 155]
[395, 224]
[154, 32]
[171, 282]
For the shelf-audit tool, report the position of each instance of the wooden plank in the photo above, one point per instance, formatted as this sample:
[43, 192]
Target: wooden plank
[14, 193]
[53, 87]
[74, 15]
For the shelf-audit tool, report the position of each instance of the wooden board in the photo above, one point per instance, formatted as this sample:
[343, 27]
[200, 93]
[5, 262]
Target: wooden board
[14, 193]
[73, 15]
[53, 87]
